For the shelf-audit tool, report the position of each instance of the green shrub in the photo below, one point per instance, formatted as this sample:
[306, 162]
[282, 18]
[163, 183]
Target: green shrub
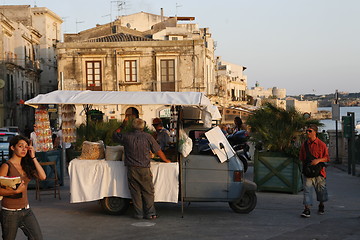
[278, 130]
[96, 130]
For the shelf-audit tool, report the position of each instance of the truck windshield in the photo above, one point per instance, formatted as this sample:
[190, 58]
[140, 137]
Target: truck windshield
[200, 143]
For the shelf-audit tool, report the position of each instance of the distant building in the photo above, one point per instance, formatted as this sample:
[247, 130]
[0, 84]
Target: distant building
[309, 107]
[277, 97]
[260, 92]
[231, 83]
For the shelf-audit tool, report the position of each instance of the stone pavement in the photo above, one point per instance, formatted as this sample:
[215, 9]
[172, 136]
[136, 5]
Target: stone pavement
[277, 216]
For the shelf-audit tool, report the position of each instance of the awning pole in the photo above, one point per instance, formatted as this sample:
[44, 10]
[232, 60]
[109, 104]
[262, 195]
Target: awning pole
[179, 125]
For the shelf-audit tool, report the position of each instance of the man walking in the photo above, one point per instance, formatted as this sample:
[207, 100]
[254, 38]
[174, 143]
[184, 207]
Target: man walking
[314, 151]
[137, 146]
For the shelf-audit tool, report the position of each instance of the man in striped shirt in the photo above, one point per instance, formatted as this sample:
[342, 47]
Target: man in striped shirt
[137, 146]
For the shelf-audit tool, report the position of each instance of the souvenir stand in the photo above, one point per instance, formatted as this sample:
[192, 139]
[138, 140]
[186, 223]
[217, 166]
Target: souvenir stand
[44, 146]
[110, 171]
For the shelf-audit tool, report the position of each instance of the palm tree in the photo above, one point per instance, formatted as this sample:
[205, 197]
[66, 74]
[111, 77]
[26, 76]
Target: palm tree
[278, 130]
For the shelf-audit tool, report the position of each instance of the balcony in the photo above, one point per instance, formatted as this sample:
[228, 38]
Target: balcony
[35, 65]
[10, 57]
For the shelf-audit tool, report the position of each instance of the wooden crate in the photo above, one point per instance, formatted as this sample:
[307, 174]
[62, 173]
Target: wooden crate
[277, 172]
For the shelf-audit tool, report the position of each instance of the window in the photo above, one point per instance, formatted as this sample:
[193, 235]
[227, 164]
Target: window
[130, 71]
[200, 143]
[8, 88]
[233, 97]
[113, 29]
[93, 75]
[167, 75]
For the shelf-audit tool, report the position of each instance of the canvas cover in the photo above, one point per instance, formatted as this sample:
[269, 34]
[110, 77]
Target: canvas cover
[129, 98]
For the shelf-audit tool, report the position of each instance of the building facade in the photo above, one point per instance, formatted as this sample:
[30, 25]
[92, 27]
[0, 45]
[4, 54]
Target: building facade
[49, 25]
[19, 71]
[167, 57]
[28, 38]
[260, 92]
[231, 83]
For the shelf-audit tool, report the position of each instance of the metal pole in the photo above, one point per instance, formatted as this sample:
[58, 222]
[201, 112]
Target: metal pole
[351, 145]
[353, 161]
[337, 142]
[337, 160]
[63, 154]
[63, 158]
[349, 155]
[179, 125]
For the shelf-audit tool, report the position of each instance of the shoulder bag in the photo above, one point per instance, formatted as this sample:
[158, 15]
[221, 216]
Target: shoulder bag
[309, 170]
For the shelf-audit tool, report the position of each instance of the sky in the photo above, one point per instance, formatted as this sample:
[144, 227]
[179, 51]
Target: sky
[304, 46]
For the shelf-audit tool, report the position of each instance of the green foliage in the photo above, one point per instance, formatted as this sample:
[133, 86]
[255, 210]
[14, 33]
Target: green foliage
[278, 130]
[96, 130]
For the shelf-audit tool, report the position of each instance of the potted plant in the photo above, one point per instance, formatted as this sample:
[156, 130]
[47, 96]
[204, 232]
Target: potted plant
[277, 134]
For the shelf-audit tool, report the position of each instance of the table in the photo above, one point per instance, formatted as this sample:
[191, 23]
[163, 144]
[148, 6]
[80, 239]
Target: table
[92, 180]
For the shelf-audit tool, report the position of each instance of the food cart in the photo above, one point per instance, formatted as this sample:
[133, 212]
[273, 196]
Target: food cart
[214, 176]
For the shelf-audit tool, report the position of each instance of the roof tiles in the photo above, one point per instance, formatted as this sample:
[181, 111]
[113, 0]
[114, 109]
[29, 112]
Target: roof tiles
[120, 37]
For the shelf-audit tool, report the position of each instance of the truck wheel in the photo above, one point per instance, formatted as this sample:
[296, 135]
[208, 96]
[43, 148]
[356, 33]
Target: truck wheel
[115, 205]
[246, 204]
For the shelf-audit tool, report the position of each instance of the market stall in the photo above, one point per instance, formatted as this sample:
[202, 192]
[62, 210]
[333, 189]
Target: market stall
[91, 180]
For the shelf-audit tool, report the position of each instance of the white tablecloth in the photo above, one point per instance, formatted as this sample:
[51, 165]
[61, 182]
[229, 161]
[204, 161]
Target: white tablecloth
[92, 180]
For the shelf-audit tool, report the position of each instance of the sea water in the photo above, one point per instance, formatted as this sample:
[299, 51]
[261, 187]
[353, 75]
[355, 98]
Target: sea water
[330, 124]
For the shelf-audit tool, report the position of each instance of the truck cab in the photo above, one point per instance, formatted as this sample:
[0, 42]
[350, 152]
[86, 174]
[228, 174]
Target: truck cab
[206, 178]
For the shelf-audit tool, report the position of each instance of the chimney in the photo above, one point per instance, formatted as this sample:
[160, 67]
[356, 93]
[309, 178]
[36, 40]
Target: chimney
[162, 14]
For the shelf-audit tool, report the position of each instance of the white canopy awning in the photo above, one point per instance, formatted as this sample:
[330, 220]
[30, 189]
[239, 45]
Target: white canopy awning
[129, 98]
[117, 97]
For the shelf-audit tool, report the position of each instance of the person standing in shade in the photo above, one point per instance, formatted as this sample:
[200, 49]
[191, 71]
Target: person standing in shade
[27, 131]
[33, 138]
[15, 212]
[162, 135]
[60, 141]
[137, 145]
[315, 149]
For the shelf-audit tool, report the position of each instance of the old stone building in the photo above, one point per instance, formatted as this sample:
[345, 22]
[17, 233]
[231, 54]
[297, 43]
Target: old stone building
[28, 62]
[168, 56]
[19, 70]
[231, 83]
[48, 24]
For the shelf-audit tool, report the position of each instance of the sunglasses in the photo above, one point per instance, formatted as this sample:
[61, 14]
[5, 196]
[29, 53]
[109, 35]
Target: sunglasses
[309, 131]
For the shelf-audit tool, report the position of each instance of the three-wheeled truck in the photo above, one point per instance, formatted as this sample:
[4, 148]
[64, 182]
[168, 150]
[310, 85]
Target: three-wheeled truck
[210, 171]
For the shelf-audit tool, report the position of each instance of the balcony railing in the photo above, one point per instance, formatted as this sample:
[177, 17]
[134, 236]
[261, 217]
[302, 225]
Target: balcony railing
[32, 64]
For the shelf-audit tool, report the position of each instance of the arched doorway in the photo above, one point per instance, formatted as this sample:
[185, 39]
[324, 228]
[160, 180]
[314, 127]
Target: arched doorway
[131, 112]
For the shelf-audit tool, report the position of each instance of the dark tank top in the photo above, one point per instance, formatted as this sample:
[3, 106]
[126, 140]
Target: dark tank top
[20, 200]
